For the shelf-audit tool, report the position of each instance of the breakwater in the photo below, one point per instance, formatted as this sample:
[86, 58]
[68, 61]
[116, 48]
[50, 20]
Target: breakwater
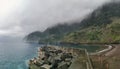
[109, 47]
[53, 57]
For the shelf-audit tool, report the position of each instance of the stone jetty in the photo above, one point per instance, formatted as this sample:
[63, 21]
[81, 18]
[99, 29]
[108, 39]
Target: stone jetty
[54, 57]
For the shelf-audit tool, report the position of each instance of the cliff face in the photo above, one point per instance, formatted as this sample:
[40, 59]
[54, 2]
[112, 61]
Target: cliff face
[102, 26]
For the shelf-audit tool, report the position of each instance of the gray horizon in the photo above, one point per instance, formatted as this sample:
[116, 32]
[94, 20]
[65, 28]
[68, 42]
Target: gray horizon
[33, 15]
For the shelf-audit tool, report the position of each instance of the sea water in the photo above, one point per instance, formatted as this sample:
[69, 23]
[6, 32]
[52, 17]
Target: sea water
[15, 53]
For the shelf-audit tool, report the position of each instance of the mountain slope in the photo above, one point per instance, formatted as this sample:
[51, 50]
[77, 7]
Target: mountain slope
[102, 26]
[105, 34]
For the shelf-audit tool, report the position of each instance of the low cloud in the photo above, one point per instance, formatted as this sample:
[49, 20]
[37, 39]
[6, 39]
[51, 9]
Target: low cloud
[41, 14]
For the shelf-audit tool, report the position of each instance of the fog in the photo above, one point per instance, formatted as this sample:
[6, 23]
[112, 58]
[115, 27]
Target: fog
[21, 17]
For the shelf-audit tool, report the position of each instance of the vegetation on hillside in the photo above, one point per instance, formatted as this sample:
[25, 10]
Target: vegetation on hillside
[104, 34]
[102, 26]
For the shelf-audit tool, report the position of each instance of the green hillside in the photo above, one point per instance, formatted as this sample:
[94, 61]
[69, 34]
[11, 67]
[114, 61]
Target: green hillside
[104, 34]
[102, 26]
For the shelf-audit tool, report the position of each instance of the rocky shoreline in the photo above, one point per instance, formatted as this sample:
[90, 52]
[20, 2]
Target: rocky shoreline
[53, 57]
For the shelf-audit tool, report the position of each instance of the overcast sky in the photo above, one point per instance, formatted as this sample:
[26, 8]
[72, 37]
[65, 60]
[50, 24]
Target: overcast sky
[20, 17]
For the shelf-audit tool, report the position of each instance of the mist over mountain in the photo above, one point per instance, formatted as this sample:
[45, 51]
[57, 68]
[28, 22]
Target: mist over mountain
[103, 21]
[20, 17]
